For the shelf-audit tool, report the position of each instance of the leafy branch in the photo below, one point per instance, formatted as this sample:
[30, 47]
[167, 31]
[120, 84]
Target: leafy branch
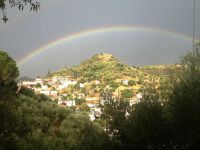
[20, 4]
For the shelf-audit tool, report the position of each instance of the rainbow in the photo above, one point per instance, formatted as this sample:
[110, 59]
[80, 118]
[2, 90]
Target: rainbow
[97, 31]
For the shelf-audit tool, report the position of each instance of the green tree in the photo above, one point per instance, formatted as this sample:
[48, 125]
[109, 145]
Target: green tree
[8, 122]
[113, 84]
[147, 126]
[38, 85]
[131, 82]
[184, 104]
[84, 107]
[114, 113]
[79, 133]
[79, 101]
[8, 69]
[127, 93]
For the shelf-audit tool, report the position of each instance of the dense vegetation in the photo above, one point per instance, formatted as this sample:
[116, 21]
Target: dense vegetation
[164, 119]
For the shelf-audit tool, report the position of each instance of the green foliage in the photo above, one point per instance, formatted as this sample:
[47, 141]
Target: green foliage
[84, 107]
[79, 101]
[80, 133]
[8, 69]
[120, 66]
[113, 84]
[184, 103]
[147, 123]
[131, 82]
[115, 113]
[38, 85]
[28, 92]
[161, 70]
[127, 93]
[8, 127]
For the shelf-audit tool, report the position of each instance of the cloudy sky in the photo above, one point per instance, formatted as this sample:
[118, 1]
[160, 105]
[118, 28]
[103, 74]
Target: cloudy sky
[138, 32]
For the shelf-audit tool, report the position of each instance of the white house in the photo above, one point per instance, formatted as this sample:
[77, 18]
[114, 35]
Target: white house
[139, 96]
[97, 112]
[44, 87]
[39, 80]
[82, 85]
[46, 92]
[89, 99]
[68, 103]
[72, 82]
[62, 86]
[91, 105]
[97, 82]
[53, 93]
[91, 116]
[81, 95]
[55, 79]
[125, 82]
[29, 83]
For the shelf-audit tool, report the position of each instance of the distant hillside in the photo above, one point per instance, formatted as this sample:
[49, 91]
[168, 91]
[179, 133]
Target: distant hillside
[161, 70]
[25, 78]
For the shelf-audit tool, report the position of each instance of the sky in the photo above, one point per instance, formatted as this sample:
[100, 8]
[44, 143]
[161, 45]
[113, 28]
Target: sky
[137, 32]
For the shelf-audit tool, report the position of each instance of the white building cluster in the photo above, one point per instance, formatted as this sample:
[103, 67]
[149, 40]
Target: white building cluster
[50, 86]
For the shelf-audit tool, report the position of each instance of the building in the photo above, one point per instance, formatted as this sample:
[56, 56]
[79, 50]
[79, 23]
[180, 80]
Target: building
[29, 84]
[82, 85]
[45, 92]
[53, 93]
[125, 82]
[39, 80]
[68, 103]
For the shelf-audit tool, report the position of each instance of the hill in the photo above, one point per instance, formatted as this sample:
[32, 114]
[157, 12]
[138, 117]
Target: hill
[25, 78]
[104, 71]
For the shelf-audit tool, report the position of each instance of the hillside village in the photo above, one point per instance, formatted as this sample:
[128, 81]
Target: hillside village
[84, 86]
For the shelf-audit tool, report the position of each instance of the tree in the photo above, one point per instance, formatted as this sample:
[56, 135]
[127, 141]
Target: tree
[113, 84]
[127, 93]
[8, 69]
[8, 122]
[184, 103]
[80, 101]
[38, 85]
[131, 82]
[147, 123]
[115, 112]
[48, 73]
[34, 5]
[84, 107]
